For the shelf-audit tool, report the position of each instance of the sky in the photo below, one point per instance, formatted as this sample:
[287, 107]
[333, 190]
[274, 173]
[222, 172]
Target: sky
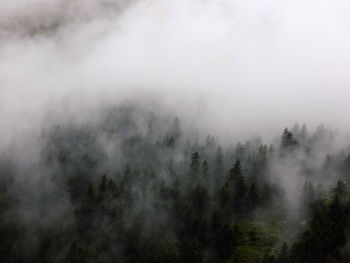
[228, 67]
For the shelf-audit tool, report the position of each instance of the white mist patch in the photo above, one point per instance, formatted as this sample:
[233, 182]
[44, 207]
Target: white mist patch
[234, 68]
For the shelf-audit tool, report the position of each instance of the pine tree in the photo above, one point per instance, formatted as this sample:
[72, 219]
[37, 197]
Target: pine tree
[175, 129]
[225, 242]
[235, 171]
[194, 176]
[113, 189]
[200, 199]
[340, 191]
[195, 164]
[205, 170]
[287, 140]
[102, 188]
[262, 158]
[303, 133]
[103, 185]
[346, 168]
[239, 187]
[174, 133]
[218, 167]
[240, 193]
[225, 196]
[253, 195]
[217, 220]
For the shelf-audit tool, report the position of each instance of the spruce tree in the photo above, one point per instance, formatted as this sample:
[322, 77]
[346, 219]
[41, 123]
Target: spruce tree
[287, 140]
[218, 167]
[239, 187]
[235, 171]
[253, 195]
[103, 185]
[205, 170]
[195, 164]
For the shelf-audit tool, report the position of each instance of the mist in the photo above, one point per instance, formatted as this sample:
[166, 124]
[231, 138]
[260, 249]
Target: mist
[243, 67]
[137, 88]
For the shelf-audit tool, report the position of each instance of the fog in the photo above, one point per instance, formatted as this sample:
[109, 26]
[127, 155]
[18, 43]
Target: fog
[235, 68]
[131, 89]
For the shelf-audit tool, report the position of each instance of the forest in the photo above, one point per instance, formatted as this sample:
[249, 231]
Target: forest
[134, 186]
[174, 131]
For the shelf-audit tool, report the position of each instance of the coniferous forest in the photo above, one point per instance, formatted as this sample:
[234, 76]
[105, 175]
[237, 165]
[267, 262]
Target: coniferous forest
[174, 131]
[132, 185]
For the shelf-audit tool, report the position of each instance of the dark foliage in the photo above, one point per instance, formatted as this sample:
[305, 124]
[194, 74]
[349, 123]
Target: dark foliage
[142, 203]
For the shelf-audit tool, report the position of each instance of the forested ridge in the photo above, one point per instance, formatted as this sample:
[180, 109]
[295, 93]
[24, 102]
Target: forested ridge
[134, 186]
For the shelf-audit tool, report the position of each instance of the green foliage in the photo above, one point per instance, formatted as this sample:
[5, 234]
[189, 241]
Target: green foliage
[325, 235]
[154, 200]
[253, 195]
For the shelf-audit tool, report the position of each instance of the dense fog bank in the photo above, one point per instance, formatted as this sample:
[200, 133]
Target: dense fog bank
[173, 131]
[252, 65]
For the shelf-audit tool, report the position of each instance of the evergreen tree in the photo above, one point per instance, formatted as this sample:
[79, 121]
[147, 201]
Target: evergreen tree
[200, 199]
[113, 189]
[288, 140]
[174, 133]
[218, 175]
[175, 129]
[169, 141]
[217, 220]
[195, 163]
[103, 185]
[85, 213]
[225, 242]
[235, 171]
[324, 237]
[341, 191]
[253, 195]
[195, 168]
[239, 187]
[262, 159]
[240, 193]
[303, 136]
[225, 201]
[205, 170]
[320, 192]
[346, 167]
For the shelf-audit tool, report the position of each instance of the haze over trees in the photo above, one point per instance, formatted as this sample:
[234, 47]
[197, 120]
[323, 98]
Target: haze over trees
[135, 186]
[141, 131]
